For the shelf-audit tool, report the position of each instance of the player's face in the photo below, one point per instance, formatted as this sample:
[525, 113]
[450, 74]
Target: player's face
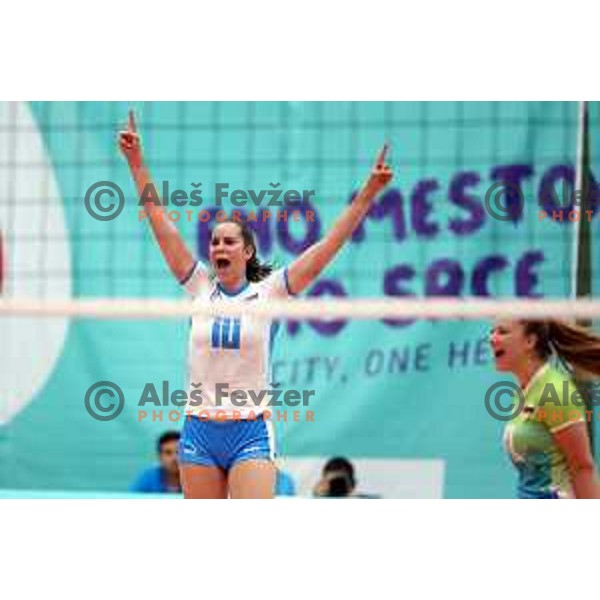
[510, 345]
[168, 456]
[228, 255]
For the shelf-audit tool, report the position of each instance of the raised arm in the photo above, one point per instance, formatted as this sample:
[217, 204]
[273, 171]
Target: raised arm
[306, 268]
[172, 246]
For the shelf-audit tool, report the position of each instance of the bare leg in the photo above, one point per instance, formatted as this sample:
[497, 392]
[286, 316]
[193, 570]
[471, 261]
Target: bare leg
[252, 479]
[199, 481]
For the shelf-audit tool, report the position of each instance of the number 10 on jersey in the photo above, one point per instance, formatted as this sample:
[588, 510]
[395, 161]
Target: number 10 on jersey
[226, 333]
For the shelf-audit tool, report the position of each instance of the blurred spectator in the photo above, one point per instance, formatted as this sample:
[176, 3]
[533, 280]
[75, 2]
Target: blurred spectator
[337, 479]
[163, 478]
[284, 484]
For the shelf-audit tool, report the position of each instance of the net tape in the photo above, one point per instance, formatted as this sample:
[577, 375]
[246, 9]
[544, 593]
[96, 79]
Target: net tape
[313, 309]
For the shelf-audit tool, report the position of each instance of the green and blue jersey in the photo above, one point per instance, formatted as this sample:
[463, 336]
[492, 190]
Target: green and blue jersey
[552, 403]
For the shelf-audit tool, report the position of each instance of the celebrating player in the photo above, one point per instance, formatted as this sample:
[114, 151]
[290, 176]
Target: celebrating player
[548, 440]
[233, 456]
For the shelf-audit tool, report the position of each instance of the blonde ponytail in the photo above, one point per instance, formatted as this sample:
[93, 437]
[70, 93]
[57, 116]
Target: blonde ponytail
[578, 347]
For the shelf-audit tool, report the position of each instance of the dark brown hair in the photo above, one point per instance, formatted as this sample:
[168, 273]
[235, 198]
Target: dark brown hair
[255, 269]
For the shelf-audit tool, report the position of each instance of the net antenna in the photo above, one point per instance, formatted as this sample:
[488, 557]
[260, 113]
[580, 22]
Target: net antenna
[581, 274]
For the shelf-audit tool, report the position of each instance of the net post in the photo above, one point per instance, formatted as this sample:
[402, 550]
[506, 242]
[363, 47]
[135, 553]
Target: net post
[582, 242]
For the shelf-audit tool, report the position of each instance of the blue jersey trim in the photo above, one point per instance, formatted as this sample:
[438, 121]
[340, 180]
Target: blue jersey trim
[243, 287]
[189, 275]
[287, 282]
[275, 325]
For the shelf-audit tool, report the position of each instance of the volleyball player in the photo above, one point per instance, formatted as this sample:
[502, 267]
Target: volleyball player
[548, 440]
[231, 453]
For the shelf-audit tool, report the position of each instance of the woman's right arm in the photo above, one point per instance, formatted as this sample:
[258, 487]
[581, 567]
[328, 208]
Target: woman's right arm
[176, 253]
[575, 445]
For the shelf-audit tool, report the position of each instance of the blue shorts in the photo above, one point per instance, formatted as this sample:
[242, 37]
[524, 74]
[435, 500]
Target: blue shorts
[225, 443]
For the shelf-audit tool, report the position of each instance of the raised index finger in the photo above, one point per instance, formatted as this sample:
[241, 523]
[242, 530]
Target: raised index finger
[131, 123]
[381, 156]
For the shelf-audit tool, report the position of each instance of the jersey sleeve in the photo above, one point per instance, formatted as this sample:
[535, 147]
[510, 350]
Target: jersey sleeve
[196, 279]
[567, 408]
[276, 285]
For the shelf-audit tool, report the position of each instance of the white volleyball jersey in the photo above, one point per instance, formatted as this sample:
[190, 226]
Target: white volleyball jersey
[231, 353]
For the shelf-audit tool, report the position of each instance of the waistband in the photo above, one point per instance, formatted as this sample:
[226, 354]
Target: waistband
[228, 419]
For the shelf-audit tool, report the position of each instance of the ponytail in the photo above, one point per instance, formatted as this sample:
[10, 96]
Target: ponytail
[256, 270]
[576, 346]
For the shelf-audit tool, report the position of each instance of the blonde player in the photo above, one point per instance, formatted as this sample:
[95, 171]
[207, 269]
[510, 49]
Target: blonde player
[231, 453]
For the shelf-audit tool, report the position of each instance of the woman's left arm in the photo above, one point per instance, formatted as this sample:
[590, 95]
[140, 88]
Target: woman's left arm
[306, 268]
[575, 445]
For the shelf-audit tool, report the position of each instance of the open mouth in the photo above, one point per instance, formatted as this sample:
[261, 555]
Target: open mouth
[498, 353]
[222, 263]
